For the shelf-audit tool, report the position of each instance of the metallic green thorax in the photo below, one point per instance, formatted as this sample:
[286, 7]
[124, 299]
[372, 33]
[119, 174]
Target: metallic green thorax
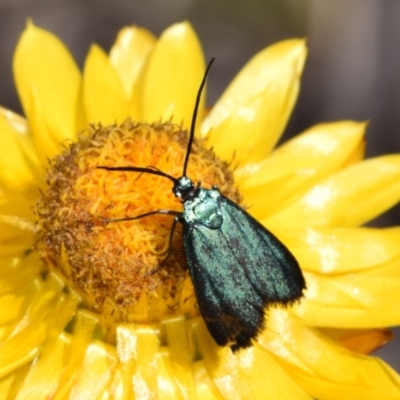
[204, 209]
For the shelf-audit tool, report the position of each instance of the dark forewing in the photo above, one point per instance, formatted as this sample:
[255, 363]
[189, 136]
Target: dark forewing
[238, 270]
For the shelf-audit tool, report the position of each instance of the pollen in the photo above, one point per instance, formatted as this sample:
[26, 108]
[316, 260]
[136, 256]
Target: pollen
[118, 267]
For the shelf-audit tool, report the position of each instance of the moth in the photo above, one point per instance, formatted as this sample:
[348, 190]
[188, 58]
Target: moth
[238, 267]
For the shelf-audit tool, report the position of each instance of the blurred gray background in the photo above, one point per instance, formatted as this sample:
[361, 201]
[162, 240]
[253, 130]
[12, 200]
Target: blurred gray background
[353, 69]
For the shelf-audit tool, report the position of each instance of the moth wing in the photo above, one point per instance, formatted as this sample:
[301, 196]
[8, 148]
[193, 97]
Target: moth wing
[269, 265]
[238, 270]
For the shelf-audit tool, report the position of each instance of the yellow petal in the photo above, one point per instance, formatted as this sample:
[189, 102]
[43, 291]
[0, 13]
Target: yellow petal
[204, 385]
[364, 341]
[31, 330]
[46, 369]
[13, 306]
[145, 375]
[15, 171]
[250, 116]
[258, 359]
[180, 356]
[341, 250]
[42, 379]
[44, 132]
[367, 299]
[13, 241]
[129, 52]
[17, 272]
[10, 384]
[351, 197]
[79, 342]
[40, 309]
[47, 76]
[137, 349]
[97, 372]
[296, 166]
[114, 389]
[221, 365]
[20, 126]
[236, 377]
[324, 368]
[16, 206]
[166, 383]
[172, 77]
[126, 351]
[16, 225]
[104, 97]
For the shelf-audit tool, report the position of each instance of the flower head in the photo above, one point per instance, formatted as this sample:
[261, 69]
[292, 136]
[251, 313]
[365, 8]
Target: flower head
[86, 310]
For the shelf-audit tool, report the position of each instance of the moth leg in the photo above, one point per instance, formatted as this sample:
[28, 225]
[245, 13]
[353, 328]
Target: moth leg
[169, 252]
[169, 212]
[178, 217]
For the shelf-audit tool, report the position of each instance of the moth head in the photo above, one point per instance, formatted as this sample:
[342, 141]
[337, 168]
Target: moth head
[184, 188]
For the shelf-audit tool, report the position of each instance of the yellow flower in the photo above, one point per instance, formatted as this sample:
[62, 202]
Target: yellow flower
[313, 192]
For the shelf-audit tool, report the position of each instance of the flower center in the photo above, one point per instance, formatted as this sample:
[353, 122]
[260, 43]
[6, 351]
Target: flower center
[118, 267]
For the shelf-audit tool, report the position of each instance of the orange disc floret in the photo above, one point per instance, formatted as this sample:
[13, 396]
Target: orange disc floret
[115, 266]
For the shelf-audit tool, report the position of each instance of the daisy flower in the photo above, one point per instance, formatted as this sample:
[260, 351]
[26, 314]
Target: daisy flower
[86, 312]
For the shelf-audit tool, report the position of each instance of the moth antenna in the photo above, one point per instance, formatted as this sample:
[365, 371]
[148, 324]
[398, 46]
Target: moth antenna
[196, 108]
